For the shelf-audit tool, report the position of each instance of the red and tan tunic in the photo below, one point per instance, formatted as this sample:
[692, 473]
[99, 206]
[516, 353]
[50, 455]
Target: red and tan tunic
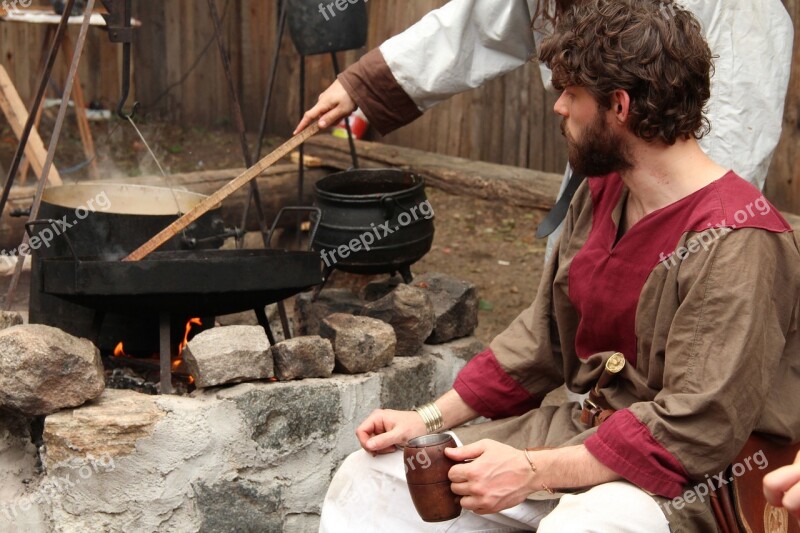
[702, 297]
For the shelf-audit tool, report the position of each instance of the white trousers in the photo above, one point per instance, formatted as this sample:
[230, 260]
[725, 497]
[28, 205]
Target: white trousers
[369, 494]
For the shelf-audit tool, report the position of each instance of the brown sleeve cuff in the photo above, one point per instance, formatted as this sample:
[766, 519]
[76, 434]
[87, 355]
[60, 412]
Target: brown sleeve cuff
[371, 84]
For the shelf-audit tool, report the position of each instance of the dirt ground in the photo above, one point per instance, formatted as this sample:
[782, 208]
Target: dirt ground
[487, 243]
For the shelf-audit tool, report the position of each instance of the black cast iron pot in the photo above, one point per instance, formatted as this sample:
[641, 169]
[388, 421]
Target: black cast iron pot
[373, 221]
[323, 27]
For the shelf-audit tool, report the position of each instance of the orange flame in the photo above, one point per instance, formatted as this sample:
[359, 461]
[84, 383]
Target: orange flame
[192, 321]
[177, 362]
[118, 350]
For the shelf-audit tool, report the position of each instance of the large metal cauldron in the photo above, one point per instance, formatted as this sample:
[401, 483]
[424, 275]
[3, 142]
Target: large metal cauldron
[122, 217]
[384, 210]
[119, 219]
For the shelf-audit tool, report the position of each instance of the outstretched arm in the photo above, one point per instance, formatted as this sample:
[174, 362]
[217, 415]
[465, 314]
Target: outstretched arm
[457, 47]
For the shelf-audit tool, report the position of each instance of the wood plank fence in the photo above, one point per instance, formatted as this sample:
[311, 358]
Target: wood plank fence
[179, 76]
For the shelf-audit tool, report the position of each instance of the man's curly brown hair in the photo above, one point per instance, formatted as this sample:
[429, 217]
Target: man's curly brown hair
[653, 49]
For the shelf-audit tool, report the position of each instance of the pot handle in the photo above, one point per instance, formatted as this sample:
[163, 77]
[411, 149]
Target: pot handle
[389, 206]
[50, 222]
[297, 209]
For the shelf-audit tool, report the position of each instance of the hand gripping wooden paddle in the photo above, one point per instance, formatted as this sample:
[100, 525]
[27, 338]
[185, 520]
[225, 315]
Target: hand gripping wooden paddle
[228, 189]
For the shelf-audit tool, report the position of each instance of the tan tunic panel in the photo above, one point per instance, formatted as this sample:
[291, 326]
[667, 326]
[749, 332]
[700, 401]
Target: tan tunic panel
[718, 352]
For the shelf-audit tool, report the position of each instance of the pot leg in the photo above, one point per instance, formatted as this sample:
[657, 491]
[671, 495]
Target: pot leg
[326, 275]
[287, 334]
[264, 322]
[405, 271]
[165, 354]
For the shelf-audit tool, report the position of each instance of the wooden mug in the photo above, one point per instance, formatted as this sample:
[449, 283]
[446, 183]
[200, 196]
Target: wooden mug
[426, 468]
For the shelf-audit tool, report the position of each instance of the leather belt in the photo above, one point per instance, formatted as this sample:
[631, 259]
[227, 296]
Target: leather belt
[595, 408]
[593, 415]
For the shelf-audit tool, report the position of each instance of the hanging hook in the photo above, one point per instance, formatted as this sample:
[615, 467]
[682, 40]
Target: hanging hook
[126, 83]
[120, 111]
[118, 21]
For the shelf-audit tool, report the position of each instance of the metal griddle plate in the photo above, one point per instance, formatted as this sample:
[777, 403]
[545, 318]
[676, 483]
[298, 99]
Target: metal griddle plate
[212, 282]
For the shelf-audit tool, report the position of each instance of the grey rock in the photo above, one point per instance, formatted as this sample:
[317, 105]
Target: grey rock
[450, 358]
[9, 319]
[376, 290]
[408, 383]
[308, 314]
[289, 416]
[410, 312]
[455, 305]
[239, 505]
[43, 370]
[361, 344]
[229, 354]
[303, 357]
[464, 349]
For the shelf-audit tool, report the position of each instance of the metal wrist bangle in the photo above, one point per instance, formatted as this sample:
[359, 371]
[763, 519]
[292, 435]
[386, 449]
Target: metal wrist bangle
[431, 416]
[534, 469]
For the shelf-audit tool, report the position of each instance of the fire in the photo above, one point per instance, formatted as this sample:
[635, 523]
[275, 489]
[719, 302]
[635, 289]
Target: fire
[176, 364]
[118, 350]
[182, 345]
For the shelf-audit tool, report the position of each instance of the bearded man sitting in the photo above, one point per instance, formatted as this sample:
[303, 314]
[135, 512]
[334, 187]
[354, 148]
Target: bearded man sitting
[666, 258]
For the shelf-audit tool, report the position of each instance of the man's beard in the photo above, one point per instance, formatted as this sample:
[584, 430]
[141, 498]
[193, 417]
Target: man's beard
[599, 152]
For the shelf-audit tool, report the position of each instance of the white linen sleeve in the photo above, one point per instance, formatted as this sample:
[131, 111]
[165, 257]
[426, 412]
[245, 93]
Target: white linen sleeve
[460, 46]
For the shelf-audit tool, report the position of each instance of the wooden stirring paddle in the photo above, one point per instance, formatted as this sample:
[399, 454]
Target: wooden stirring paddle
[226, 190]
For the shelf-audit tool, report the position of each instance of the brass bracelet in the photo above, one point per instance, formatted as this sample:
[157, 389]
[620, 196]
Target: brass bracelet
[534, 469]
[528, 457]
[431, 416]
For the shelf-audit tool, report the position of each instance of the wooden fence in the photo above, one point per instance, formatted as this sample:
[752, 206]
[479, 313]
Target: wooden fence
[179, 75]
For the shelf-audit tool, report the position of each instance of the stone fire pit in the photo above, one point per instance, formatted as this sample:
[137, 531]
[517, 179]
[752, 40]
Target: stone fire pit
[247, 456]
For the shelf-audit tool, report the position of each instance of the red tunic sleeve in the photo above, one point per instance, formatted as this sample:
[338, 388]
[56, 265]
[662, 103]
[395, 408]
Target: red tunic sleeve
[627, 447]
[487, 388]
